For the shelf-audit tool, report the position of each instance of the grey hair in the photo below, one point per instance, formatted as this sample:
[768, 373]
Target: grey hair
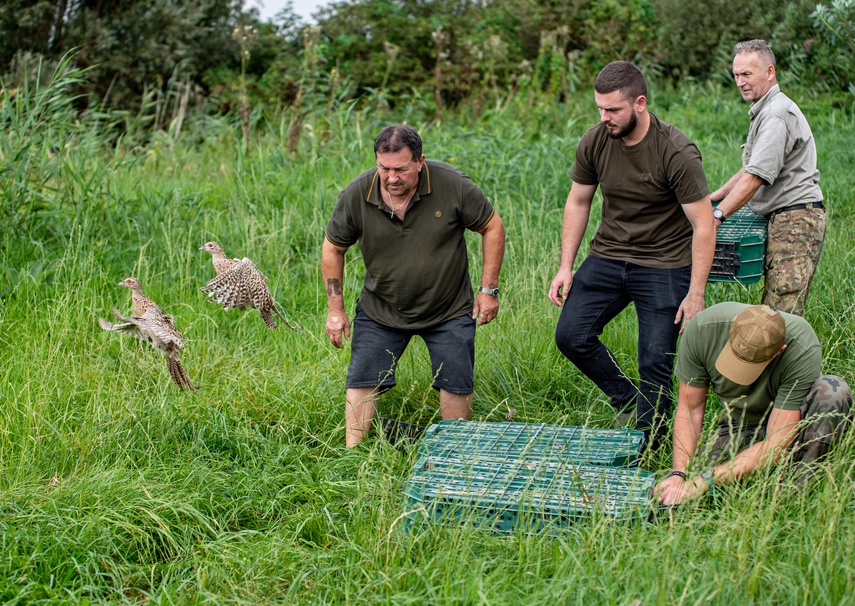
[756, 46]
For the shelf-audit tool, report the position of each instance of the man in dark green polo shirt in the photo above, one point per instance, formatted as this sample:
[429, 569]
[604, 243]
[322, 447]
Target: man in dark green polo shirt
[409, 216]
[764, 366]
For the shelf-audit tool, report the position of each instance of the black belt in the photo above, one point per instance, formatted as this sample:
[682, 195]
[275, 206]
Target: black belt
[799, 207]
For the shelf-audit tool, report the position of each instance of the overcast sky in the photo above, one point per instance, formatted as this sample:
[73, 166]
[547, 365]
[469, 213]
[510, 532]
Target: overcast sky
[269, 8]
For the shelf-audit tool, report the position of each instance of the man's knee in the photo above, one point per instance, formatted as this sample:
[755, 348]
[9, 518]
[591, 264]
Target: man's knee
[574, 338]
[827, 416]
[569, 341]
[829, 393]
[793, 250]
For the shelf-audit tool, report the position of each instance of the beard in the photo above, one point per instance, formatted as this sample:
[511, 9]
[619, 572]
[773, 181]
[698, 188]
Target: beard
[623, 132]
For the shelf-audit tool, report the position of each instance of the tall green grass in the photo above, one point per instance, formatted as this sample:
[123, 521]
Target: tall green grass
[115, 487]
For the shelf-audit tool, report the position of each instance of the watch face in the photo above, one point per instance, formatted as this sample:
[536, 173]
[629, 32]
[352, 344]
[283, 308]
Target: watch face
[718, 214]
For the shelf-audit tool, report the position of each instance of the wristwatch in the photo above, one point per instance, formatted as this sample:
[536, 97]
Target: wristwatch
[718, 214]
[493, 292]
[707, 476]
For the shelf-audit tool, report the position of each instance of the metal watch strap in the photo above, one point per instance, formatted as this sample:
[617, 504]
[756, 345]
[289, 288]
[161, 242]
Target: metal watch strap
[493, 292]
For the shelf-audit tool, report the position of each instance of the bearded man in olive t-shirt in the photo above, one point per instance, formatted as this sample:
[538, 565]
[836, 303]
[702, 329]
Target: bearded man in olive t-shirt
[409, 216]
[653, 248]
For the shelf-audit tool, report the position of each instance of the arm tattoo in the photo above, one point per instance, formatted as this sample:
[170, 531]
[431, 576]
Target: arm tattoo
[333, 287]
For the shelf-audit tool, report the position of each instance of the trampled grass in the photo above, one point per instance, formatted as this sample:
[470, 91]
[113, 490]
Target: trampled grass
[115, 487]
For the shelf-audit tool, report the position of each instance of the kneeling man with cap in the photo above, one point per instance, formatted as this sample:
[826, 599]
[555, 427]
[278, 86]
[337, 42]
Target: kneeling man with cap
[764, 366]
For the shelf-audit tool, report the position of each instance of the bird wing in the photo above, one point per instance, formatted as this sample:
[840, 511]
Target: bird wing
[232, 288]
[227, 264]
[259, 292]
[156, 315]
[163, 337]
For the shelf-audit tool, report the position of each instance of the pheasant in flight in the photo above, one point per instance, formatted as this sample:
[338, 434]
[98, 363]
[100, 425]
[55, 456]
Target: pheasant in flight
[240, 284]
[151, 325]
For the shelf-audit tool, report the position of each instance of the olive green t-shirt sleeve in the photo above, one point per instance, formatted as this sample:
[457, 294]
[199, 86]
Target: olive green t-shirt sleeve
[690, 367]
[341, 228]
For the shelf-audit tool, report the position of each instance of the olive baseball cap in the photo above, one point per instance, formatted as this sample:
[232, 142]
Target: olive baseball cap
[756, 336]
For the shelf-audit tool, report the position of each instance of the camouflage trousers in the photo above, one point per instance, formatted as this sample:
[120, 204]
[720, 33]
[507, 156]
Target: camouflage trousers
[793, 246]
[826, 416]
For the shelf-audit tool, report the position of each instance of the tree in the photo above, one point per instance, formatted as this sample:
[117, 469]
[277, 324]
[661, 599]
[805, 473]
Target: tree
[836, 24]
[28, 25]
[131, 45]
[698, 43]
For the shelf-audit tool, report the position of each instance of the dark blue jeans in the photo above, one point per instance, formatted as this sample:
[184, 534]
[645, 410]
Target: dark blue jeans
[601, 289]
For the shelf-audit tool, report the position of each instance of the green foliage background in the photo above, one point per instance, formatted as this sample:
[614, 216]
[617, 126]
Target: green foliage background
[116, 488]
[431, 54]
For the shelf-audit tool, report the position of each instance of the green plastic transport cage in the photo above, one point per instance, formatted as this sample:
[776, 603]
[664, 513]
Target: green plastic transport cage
[740, 248]
[525, 477]
[610, 447]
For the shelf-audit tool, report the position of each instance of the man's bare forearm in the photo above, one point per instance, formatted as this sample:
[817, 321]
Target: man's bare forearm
[332, 270]
[493, 249]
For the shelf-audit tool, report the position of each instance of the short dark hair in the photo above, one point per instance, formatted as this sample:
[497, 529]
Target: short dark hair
[622, 76]
[756, 46]
[396, 137]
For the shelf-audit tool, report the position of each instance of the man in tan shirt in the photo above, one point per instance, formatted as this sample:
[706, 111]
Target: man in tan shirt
[778, 180]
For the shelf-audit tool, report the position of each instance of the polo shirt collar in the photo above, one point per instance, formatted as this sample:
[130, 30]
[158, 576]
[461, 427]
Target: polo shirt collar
[758, 105]
[424, 188]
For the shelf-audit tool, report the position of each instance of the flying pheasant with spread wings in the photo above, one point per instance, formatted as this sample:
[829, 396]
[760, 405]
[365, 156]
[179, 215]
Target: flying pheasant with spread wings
[240, 284]
[151, 325]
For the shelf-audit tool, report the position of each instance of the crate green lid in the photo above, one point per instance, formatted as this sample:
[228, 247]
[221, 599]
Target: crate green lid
[741, 222]
[509, 440]
[526, 495]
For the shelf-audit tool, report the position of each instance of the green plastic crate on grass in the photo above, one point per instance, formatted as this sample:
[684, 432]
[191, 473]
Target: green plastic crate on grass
[531, 441]
[740, 248]
[522, 495]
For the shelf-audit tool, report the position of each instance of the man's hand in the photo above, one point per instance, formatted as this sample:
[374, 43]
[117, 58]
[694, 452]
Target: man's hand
[676, 490]
[690, 306]
[332, 271]
[486, 308]
[560, 286]
[338, 325]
